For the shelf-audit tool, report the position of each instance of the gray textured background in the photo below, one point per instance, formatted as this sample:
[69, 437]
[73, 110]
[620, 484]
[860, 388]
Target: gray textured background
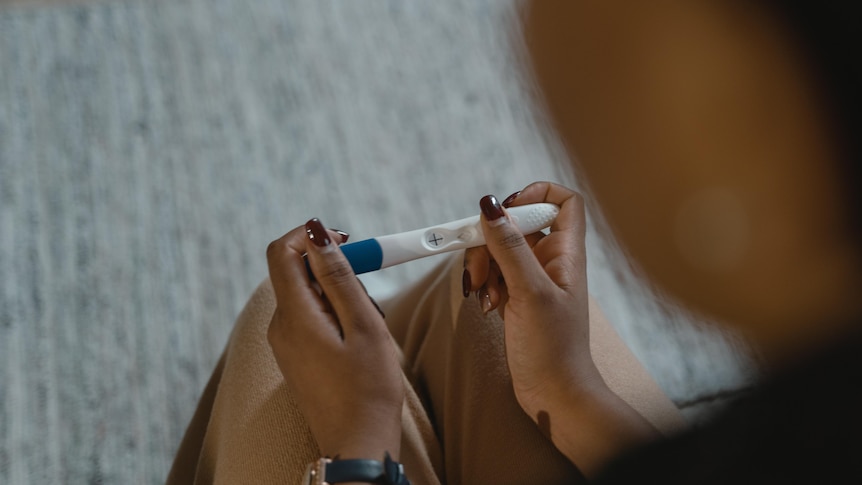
[150, 150]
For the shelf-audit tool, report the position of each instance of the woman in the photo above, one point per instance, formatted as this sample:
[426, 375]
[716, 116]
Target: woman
[704, 132]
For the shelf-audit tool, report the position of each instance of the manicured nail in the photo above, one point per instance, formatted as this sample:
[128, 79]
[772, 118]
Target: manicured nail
[317, 233]
[492, 210]
[508, 201]
[466, 283]
[484, 299]
[344, 235]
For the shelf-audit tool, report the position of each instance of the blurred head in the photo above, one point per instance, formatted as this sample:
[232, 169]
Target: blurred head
[706, 134]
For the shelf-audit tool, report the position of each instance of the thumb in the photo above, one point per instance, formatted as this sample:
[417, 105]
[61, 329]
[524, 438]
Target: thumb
[509, 248]
[336, 278]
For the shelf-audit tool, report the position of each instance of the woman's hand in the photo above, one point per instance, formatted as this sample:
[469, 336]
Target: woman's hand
[540, 282]
[334, 349]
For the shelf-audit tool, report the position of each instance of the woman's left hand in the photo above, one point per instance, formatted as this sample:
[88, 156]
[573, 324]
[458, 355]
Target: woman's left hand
[334, 349]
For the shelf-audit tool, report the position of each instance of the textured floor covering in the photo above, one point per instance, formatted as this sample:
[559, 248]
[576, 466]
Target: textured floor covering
[150, 150]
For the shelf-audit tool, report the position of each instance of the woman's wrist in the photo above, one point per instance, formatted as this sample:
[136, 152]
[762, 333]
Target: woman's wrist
[373, 429]
[369, 445]
[367, 452]
[592, 424]
[562, 392]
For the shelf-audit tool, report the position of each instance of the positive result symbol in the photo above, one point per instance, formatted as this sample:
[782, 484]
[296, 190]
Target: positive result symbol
[435, 239]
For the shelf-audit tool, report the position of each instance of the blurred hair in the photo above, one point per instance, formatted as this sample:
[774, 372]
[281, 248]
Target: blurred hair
[827, 32]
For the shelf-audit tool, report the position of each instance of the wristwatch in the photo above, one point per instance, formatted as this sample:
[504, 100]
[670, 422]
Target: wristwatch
[325, 471]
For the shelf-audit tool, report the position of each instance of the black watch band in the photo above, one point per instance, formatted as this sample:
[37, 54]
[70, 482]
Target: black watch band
[387, 472]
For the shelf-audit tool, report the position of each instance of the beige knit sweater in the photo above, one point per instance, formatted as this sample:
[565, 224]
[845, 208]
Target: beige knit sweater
[461, 422]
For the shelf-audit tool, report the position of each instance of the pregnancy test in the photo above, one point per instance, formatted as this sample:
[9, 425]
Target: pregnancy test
[384, 251]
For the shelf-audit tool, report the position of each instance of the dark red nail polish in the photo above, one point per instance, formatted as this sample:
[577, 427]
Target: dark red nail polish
[344, 236]
[508, 201]
[490, 208]
[317, 233]
[466, 283]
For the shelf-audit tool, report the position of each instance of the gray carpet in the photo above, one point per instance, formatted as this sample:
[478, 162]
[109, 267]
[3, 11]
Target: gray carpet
[150, 150]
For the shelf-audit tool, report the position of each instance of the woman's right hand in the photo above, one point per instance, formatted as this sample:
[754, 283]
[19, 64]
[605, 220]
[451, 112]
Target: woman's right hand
[540, 282]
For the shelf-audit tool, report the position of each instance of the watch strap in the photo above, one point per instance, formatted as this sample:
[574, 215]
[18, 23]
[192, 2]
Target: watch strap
[387, 472]
[339, 471]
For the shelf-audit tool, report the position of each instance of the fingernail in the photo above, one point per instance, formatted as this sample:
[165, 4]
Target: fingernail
[484, 299]
[508, 201]
[344, 236]
[466, 283]
[492, 210]
[317, 233]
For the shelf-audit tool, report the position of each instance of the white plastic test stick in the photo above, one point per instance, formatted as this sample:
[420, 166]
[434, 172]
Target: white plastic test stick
[384, 251]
